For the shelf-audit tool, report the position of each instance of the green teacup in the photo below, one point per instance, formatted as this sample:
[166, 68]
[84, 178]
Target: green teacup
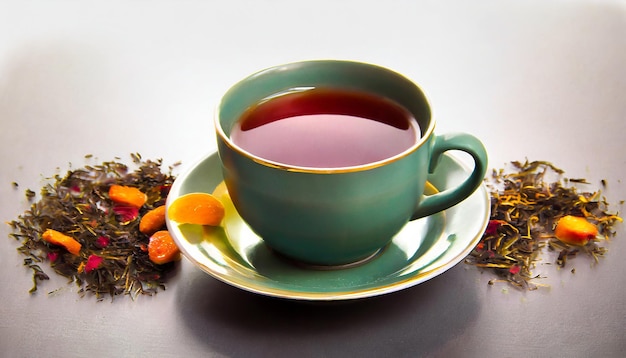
[337, 215]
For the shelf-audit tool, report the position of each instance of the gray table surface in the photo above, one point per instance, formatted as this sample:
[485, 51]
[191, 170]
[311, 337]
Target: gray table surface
[533, 79]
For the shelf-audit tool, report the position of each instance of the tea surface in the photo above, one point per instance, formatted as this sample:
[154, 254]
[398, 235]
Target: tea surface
[326, 128]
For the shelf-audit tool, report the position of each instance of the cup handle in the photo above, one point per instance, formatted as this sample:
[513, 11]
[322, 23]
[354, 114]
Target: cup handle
[432, 204]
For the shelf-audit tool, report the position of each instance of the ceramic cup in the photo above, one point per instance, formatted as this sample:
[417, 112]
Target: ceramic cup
[337, 216]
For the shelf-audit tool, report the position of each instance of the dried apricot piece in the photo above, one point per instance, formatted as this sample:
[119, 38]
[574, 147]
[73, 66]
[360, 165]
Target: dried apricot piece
[162, 248]
[57, 238]
[127, 195]
[153, 220]
[197, 208]
[575, 230]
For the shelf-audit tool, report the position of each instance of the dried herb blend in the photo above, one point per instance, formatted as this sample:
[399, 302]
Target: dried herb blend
[112, 256]
[525, 207]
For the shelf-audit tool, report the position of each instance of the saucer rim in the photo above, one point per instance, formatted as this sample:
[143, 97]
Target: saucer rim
[351, 294]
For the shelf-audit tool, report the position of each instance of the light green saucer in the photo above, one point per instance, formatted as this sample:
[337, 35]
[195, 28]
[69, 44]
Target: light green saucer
[423, 249]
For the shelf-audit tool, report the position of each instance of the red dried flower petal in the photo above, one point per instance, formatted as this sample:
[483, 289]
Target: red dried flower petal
[102, 241]
[515, 269]
[126, 213]
[492, 227]
[53, 256]
[93, 262]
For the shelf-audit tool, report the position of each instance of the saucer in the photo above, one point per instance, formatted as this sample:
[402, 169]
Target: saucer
[423, 249]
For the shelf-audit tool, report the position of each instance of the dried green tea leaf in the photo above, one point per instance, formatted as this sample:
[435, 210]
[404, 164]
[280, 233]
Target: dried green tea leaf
[113, 257]
[525, 207]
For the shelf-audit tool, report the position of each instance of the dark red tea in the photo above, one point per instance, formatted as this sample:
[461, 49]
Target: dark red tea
[326, 128]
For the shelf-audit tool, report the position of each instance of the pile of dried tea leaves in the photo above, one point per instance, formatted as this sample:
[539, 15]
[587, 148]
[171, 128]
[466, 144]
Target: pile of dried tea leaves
[78, 205]
[525, 207]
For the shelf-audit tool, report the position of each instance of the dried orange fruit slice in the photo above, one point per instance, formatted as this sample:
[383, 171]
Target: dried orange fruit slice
[162, 248]
[58, 238]
[575, 230]
[196, 208]
[153, 220]
[127, 195]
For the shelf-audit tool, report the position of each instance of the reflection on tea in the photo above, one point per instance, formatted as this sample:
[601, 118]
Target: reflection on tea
[326, 128]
